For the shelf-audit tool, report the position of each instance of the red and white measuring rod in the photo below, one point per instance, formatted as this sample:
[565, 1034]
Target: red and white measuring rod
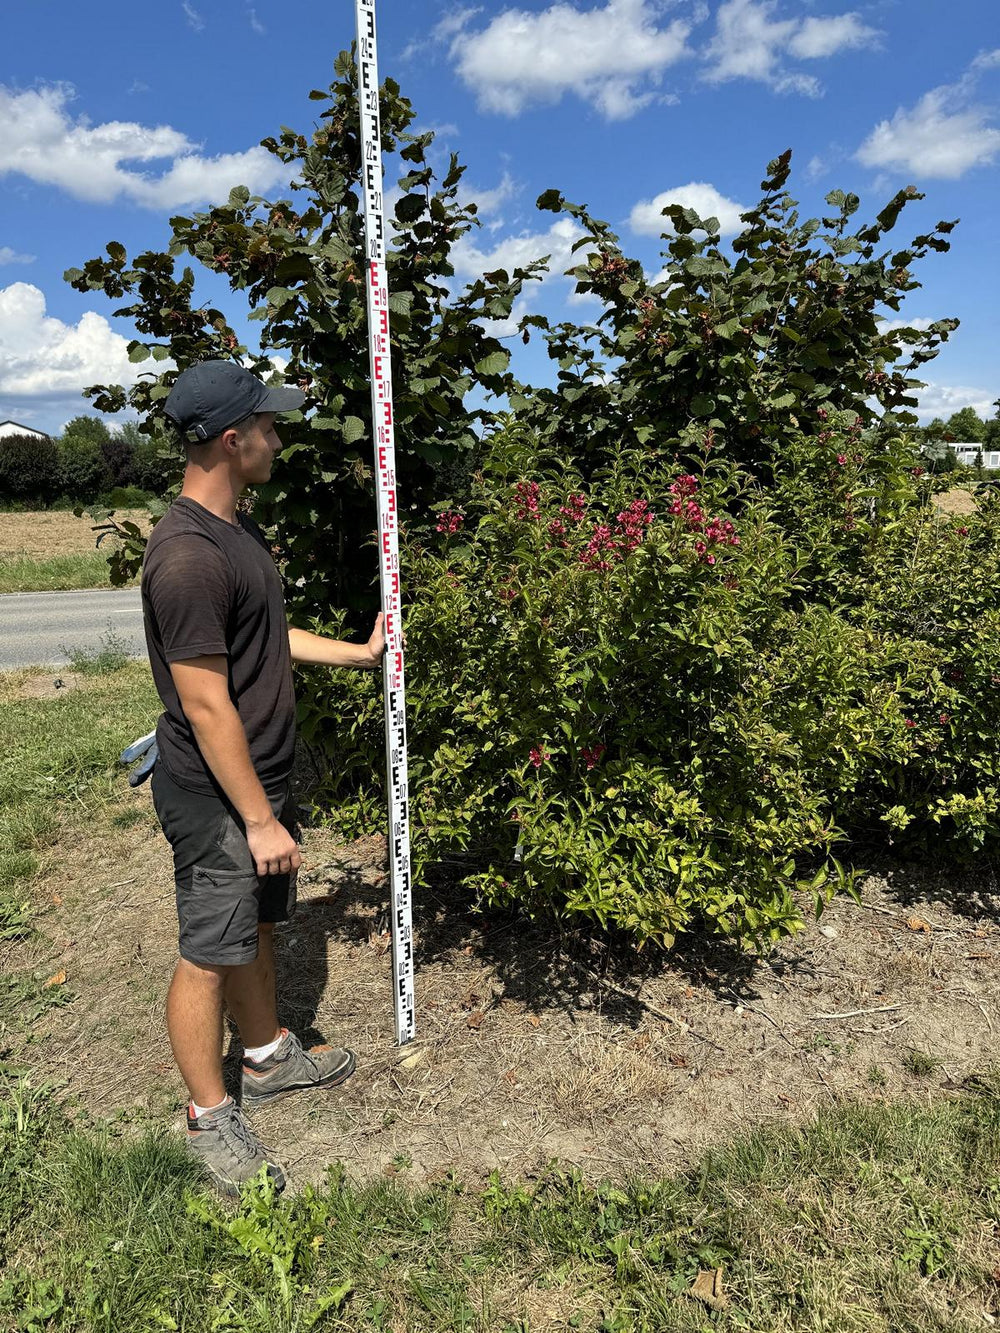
[385, 475]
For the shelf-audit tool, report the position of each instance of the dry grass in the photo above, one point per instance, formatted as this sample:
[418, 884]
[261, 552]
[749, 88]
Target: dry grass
[43, 533]
[957, 501]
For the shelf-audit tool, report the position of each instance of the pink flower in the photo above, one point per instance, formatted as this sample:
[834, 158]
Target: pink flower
[574, 508]
[944, 719]
[710, 559]
[963, 532]
[593, 755]
[527, 493]
[918, 471]
[910, 722]
[822, 413]
[538, 756]
[841, 459]
[450, 522]
[684, 485]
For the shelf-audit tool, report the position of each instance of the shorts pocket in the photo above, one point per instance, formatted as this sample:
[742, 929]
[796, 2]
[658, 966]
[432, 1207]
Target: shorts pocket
[219, 913]
[231, 840]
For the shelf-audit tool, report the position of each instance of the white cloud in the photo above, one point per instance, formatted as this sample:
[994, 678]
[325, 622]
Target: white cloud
[41, 358]
[942, 137]
[986, 60]
[647, 217]
[471, 261]
[255, 23]
[920, 323]
[819, 38]
[40, 140]
[941, 400]
[608, 56]
[194, 19]
[816, 167]
[11, 256]
[490, 200]
[750, 44]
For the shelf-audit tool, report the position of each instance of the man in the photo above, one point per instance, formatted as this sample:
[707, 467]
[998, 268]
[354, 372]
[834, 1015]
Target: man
[221, 651]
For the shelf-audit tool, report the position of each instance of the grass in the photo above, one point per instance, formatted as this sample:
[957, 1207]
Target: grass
[57, 761]
[54, 573]
[869, 1219]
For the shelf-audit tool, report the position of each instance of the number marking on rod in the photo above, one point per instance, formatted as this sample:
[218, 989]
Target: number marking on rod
[377, 287]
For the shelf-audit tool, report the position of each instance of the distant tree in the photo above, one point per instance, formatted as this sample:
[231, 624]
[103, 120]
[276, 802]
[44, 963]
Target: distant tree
[118, 452]
[991, 437]
[967, 426]
[156, 464]
[82, 475]
[29, 469]
[86, 427]
[978, 466]
[936, 430]
[948, 461]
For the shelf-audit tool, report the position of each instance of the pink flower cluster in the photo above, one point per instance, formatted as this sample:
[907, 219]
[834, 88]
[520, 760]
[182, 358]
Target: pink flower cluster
[527, 501]
[538, 756]
[593, 755]
[602, 549]
[574, 508]
[450, 521]
[714, 531]
[632, 523]
[606, 546]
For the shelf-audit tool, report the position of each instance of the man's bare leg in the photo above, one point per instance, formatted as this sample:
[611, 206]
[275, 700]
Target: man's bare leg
[194, 1022]
[250, 995]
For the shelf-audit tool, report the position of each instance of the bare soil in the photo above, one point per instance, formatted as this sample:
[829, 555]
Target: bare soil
[956, 501]
[532, 1045]
[47, 532]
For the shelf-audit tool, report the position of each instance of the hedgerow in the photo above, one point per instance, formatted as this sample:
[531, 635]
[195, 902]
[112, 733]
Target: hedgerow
[680, 624]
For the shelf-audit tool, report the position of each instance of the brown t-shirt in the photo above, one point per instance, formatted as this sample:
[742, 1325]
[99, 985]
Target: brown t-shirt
[210, 587]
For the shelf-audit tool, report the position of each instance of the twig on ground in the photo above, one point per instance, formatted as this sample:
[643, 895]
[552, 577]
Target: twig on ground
[859, 1013]
[982, 1009]
[878, 1032]
[762, 1013]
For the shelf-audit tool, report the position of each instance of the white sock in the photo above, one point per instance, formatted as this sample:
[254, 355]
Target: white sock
[258, 1053]
[207, 1110]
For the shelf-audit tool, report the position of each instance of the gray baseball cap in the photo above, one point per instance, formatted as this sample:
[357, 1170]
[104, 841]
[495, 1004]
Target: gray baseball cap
[211, 396]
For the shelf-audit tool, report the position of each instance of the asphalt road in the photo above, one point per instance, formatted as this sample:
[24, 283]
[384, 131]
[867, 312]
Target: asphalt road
[37, 628]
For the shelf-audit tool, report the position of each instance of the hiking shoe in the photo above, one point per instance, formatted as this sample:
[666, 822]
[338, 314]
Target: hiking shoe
[228, 1148]
[290, 1068]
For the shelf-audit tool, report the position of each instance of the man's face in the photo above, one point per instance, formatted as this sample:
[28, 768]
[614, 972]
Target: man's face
[258, 448]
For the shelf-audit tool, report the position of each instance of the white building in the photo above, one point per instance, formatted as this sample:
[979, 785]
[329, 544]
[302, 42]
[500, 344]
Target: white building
[15, 428]
[968, 453]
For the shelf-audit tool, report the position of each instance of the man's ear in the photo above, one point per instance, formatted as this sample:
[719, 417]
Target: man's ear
[230, 441]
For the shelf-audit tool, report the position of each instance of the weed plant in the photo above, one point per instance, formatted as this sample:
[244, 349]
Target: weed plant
[114, 652]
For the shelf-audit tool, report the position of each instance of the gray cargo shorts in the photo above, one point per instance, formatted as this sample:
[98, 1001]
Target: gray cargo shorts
[221, 900]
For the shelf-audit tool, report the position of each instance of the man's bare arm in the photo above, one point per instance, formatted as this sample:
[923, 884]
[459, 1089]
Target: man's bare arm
[315, 650]
[203, 687]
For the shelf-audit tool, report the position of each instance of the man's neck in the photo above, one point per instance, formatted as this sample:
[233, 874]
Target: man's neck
[215, 491]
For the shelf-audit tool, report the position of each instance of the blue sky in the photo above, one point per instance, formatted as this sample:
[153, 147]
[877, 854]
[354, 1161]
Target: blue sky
[115, 116]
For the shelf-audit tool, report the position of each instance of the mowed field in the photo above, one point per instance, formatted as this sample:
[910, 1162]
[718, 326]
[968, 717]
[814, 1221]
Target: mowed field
[49, 550]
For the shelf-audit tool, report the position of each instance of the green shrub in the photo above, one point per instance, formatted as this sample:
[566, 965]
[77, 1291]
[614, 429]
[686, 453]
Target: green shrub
[29, 468]
[127, 497]
[82, 472]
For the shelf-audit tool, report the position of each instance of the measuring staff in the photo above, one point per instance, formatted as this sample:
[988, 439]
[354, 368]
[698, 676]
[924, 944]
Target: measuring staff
[385, 472]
